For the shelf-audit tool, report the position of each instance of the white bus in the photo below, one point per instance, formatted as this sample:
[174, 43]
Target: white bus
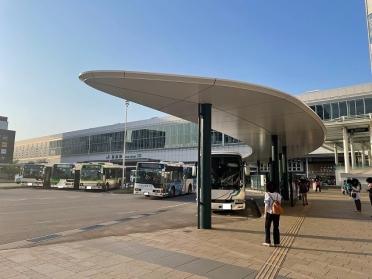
[189, 179]
[163, 179]
[227, 181]
[35, 175]
[100, 176]
[64, 176]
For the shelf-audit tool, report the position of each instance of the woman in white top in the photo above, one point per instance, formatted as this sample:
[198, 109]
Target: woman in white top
[270, 197]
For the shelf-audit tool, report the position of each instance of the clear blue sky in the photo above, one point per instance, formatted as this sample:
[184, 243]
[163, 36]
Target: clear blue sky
[291, 45]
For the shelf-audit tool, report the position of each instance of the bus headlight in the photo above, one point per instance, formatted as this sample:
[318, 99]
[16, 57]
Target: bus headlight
[239, 201]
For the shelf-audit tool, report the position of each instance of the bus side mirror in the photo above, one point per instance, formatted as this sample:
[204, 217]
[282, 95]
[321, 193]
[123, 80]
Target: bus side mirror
[246, 170]
[193, 171]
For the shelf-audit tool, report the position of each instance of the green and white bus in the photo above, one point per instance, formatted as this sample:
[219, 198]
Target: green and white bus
[100, 176]
[64, 176]
[163, 179]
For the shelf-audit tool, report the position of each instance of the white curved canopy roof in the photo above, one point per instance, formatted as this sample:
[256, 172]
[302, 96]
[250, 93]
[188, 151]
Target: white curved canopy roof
[247, 112]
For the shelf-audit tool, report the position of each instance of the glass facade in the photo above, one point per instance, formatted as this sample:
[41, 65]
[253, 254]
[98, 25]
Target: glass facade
[351, 108]
[158, 136]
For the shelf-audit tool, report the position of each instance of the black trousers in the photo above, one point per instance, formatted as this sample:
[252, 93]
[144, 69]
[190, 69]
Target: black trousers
[272, 218]
[358, 205]
[370, 197]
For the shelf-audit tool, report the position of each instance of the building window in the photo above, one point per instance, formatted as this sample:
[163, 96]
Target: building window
[343, 109]
[335, 111]
[351, 107]
[295, 166]
[327, 111]
[359, 106]
[319, 111]
[368, 104]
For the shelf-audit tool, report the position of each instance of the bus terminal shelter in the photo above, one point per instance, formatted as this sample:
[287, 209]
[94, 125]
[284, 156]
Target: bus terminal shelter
[269, 121]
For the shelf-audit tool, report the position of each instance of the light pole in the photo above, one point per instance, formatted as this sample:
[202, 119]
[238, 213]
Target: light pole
[124, 142]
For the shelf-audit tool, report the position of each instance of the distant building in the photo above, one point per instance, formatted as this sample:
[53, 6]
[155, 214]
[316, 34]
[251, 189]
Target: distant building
[167, 138]
[6, 142]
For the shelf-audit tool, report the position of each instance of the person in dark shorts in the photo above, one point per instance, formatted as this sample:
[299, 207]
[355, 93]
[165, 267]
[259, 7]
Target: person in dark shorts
[304, 188]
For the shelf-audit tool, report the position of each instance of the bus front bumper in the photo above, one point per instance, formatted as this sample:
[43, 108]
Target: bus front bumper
[67, 186]
[150, 193]
[228, 205]
[32, 184]
[90, 187]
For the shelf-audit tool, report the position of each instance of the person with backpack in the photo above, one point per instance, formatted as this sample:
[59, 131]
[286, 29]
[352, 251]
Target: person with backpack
[304, 188]
[355, 193]
[273, 210]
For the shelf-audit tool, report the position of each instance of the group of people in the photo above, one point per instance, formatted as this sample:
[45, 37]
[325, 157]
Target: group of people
[353, 188]
[273, 201]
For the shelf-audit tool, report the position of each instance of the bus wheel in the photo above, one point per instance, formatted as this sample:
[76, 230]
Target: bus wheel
[173, 192]
[189, 190]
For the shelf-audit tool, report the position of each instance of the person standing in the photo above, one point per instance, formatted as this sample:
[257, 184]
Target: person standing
[304, 188]
[355, 193]
[271, 197]
[317, 186]
[369, 181]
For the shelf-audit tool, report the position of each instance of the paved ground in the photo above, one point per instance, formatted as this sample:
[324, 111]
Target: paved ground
[327, 239]
[29, 213]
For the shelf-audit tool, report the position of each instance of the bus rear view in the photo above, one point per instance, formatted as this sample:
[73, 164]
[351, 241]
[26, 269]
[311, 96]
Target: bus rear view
[227, 182]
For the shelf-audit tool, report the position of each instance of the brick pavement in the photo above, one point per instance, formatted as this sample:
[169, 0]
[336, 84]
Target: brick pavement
[325, 240]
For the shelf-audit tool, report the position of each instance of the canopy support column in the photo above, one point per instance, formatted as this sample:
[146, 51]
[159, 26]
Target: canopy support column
[346, 149]
[352, 151]
[204, 168]
[336, 153]
[285, 192]
[363, 157]
[275, 161]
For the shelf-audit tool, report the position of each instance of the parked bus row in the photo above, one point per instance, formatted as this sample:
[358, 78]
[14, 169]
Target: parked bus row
[150, 179]
[83, 176]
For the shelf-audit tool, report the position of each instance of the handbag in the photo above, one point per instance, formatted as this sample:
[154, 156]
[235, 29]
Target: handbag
[277, 208]
[353, 195]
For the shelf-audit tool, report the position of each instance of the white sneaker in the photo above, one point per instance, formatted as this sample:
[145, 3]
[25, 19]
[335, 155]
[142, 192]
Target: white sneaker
[266, 244]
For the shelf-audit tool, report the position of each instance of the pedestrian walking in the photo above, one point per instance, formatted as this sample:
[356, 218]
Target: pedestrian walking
[355, 193]
[304, 188]
[273, 209]
[369, 189]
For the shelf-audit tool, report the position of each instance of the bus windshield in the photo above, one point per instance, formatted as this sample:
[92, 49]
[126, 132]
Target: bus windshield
[63, 172]
[225, 172]
[149, 176]
[91, 172]
[33, 171]
[149, 173]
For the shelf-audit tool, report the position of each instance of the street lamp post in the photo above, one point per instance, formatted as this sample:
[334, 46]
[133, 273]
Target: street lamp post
[124, 144]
